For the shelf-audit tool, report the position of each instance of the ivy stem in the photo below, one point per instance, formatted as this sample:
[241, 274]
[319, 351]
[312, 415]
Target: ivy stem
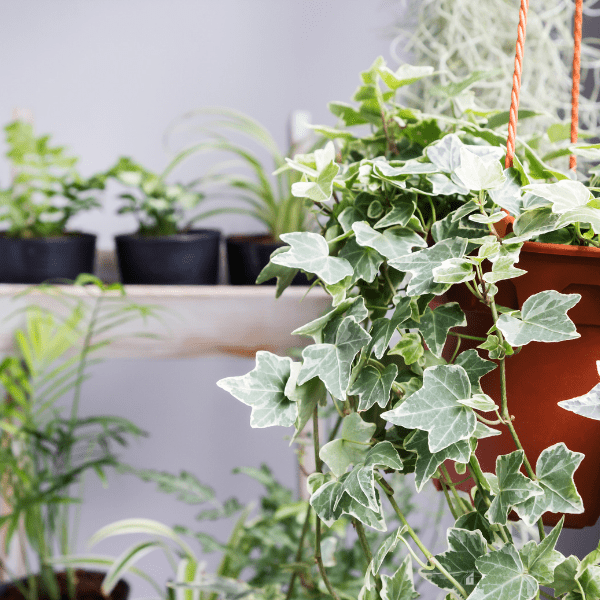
[449, 500]
[467, 337]
[319, 469]
[414, 555]
[337, 407]
[388, 280]
[456, 350]
[292, 583]
[389, 492]
[339, 238]
[506, 414]
[487, 421]
[461, 503]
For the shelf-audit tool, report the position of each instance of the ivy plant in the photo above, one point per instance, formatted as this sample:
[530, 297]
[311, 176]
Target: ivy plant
[411, 204]
[46, 189]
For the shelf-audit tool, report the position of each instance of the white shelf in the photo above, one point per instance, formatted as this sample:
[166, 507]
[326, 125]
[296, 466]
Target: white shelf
[196, 320]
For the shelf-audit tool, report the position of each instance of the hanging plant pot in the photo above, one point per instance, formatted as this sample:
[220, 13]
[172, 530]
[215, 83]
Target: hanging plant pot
[35, 260]
[542, 374]
[190, 258]
[247, 255]
[87, 587]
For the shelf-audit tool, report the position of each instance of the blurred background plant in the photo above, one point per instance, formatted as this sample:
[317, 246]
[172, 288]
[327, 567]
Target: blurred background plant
[243, 182]
[46, 189]
[46, 447]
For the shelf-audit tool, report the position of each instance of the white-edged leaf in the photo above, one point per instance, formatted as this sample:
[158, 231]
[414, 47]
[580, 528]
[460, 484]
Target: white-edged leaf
[435, 325]
[587, 405]
[393, 243]
[454, 270]
[564, 195]
[373, 386]
[476, 173]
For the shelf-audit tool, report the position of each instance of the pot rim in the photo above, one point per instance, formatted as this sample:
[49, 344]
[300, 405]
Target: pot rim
[188, 236]
[68, 237]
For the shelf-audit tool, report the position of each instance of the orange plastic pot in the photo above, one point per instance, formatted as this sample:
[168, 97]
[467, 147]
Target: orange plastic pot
[543, 374]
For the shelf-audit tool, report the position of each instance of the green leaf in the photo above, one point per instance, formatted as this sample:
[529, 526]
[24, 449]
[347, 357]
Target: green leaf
[422, 263]
[263, 390]
[564, 576]
[475, 173]
[435, 407]
[284, 275]
[543, 319]
[392, 243]
[324, 499]
[400, 585]
[476, 367]
[587, 405]
[504, 577]
[533, 223]
[435, 325]
[387, 546]
[373, 386]
[352, 307]
[332, 362]
[464, 548]
[404, 75]
[365, 261]
[513, 487]
[310, 252]
[564, 195]
[383, 328]
[541, 560]
[347, 113]
[554, 470]
[351, 447]
[402, 211]
[454, 270]
[428, 462]
[409, 348]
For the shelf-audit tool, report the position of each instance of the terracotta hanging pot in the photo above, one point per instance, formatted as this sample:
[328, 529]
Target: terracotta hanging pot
[543, 374]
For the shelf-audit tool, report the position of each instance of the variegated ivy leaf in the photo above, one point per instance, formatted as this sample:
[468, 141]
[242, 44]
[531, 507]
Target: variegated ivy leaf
[350, 447]
[504, 577]
[464, 548]
[449, 228]
[532, 223]
[375, 210]
[444, 186]
[383, 328]
[512, 487]
[364, 260]
[435, 325]
[404, 75]
[338, 291]
[435, 407]
[402, 211]
[373, 386]
[284, 275]
[263, 389]
[583, 214]
[483, 431]
[310, 252]
[360, 482]
[554, 471]
[476, 367]
[332, 362]
[454, 270]
[428, 462]
[422, 263]
[543, 319]
[475, 173]
[387, 546]
[563, 195]
[508, 196]
[480, 402]
[399, 586]
[503, 268]
[392, 243]
[410, 167]
[564, 576]
[541, 559]
[445, 153]
[410, 348]
[319, 190]
[351, 307]
[587, 405]
[488, 219]
[312, 164]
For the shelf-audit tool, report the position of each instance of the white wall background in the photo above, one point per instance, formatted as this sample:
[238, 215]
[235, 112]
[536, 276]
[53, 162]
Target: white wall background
[106, 78]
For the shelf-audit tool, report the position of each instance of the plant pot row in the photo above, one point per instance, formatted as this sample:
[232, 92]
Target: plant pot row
[190, 258]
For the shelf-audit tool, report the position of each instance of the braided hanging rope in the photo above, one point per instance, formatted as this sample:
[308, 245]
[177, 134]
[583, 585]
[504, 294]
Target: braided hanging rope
[516, 88]
[576, 78]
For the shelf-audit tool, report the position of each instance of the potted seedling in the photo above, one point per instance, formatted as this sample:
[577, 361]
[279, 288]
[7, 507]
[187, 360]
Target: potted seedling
[47, 447]
[165, 249]
[45, 193]
[246, 185]
[414, 234]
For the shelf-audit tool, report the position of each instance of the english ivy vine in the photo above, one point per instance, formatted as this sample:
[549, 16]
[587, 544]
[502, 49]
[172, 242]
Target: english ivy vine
[410, 204]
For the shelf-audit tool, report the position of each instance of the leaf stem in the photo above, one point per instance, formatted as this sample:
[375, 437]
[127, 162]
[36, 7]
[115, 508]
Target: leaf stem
[298, 559]
[319, 469]
[389, 492]
[448, 480]
[467, 337]
[449, 500]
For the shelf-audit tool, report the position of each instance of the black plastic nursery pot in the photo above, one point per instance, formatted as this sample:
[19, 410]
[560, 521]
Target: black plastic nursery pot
[247, 255]
[35, 260]
[190, 258]
[87, 587]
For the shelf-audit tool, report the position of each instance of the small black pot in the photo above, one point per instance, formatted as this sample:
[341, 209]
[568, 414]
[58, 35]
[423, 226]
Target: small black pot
[88, 587]
[247, 255]
[36, 260]
[190, 258]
